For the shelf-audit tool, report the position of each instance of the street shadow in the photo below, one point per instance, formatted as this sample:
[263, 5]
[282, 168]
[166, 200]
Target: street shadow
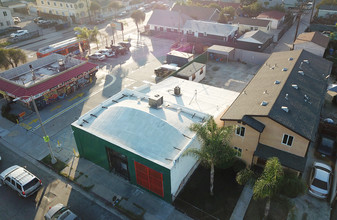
[140, 54]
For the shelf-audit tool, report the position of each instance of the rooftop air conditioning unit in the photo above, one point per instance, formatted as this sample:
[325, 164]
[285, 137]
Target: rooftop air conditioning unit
[156, 101]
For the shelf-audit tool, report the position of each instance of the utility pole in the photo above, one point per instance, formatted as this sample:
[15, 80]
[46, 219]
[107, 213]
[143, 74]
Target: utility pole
[312, 10]
[298, 17]
[88, 10]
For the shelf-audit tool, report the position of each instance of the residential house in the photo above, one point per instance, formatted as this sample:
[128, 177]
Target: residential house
[254, 40]
[210, 30]
[314, 42]
[278, 113]
[251, 24]
[167, 21]
[5, 18]
[198, 12]
[326, 10]
[276, 18]
[142, 135]
[272, 3]
[78, 9]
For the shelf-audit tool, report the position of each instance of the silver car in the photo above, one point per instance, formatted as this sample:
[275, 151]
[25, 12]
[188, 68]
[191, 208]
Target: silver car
[60, 212]
[20, 180]
[320, 180]
[97, 56]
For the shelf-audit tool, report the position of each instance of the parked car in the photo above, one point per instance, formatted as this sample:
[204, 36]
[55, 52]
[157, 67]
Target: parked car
[126, 45]
[38, 19]
[13, 28]
[16, 20]
[122, 14]
[118, 49]
[97, 56]
[19, 33]
[60, 212]
[107, 52]
[326, 145]
[320, 180]
[21, 180]
[141, 9]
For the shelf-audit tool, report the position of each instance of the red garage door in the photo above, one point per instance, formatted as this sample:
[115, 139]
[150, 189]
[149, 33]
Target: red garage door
[149, 179]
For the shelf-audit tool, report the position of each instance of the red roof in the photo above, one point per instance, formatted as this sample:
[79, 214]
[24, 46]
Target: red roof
[45, 85]
[272, 14]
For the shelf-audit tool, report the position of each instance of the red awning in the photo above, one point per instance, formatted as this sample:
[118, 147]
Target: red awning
[19, 91]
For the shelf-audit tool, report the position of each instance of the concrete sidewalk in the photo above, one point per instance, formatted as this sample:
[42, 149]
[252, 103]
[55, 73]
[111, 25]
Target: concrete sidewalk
[97, 181]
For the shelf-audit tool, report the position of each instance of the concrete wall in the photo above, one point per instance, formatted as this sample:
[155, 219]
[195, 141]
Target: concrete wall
[250, 57]
[311, 47]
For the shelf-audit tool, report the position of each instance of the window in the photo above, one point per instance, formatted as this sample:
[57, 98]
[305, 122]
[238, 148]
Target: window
[5, 13]
[8, 23]
[238, 151]
[42, 2]
[19, 187]
[48, 3]
[63, 13]
[287, 140]
[240, 131]
[54, 3]
[57, 12]
[71, 6]
[61, 4]
[67, 5]
[1, 24]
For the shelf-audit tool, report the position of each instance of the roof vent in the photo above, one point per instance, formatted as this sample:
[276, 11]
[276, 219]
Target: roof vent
[306, 61]
[156, 101]
[301, 72]
[284, 69]
[286, 96]
[285, 108]
[306, 97]
[277, 82]
[177, 91]
[264, 103]
[290, 58]
[294, 86]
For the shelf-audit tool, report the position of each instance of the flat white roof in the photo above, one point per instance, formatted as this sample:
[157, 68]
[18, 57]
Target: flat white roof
[162, 134]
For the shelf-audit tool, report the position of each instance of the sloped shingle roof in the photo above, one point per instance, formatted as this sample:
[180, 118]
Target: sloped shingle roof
[258, 36]
[304, 103]
[167, 18]
[315, 37]
[251, 21]
[212, 28]
[197, 12]
[272, 14]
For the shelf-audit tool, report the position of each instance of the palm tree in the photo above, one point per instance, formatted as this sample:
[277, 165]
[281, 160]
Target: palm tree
[215, 149]
[116, 6]
[268, 184]
[87, 34]
[138, 17]
[12, 57]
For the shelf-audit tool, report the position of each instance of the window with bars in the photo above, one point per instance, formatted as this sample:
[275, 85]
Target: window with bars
[149, 179]
[240, 131]
[287, 140]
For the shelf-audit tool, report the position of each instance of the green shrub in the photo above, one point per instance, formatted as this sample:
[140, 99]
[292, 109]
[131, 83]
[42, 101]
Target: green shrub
[292, 186]
[5, 109]
[239, 165]
[245, 176]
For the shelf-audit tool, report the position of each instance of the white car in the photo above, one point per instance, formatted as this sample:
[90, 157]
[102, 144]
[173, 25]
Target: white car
[60, 212]
[141, 9]
[107, 52]
[97, 56]
[19, 33]
[320, 180]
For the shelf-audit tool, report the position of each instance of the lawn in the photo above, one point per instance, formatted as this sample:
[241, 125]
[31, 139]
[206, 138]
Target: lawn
[279, 209]
[196, 201]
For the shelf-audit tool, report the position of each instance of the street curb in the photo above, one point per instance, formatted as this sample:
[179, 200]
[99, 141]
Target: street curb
[89, 195]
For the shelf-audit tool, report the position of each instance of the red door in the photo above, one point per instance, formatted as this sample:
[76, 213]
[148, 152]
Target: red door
[149, 179]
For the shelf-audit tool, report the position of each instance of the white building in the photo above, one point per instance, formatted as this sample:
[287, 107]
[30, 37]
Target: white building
[142, 134]
[5, 18]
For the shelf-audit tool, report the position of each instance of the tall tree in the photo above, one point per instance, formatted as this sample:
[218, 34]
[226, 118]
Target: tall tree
[116, 6]
[11, 57]
[215, 149]
[94, 7]
[138, 17]
[268, 183]
[87, 34]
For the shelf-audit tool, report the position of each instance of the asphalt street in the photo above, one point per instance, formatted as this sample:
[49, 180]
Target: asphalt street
[54, 191]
